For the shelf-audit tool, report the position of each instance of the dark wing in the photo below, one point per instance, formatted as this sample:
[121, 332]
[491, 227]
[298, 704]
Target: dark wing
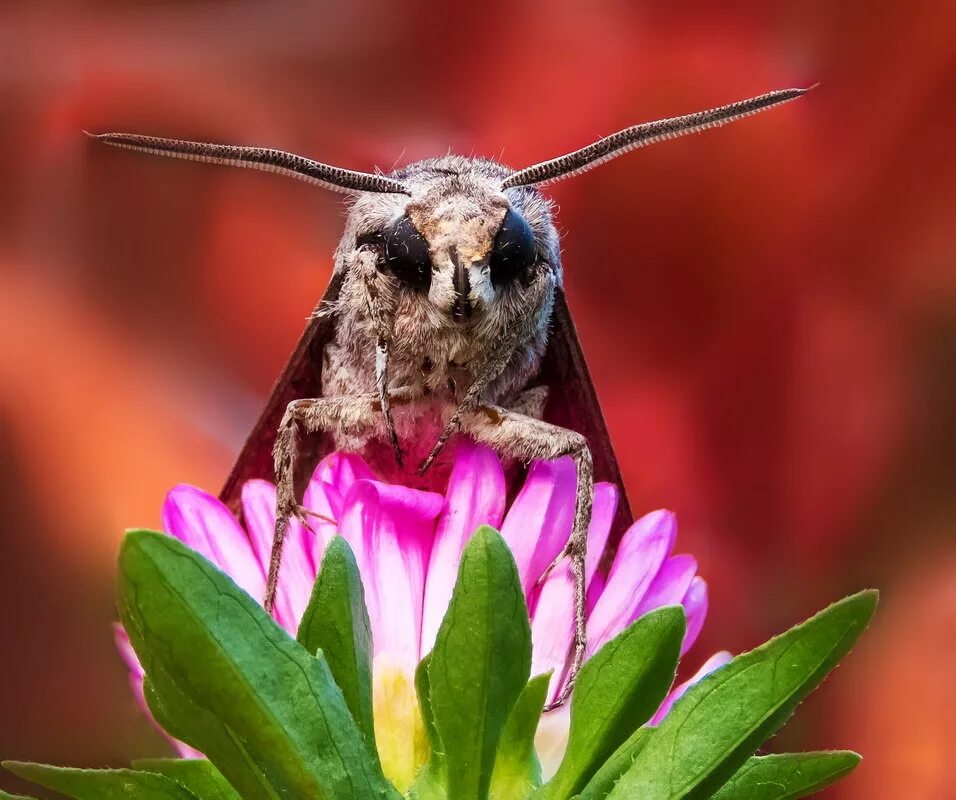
[301, 378]
[573, 403]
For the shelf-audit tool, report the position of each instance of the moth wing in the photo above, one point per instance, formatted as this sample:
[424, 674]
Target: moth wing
[573, 403]
[301, 378]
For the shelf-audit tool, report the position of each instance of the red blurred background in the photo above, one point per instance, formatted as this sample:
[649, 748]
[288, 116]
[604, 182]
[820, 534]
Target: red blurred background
[769, 309]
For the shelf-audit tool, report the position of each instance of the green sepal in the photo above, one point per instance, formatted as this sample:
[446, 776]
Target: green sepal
[431, 780]
[788, 776]
[101, 784]
[226, 679]
[610, 772]
[336, 622]
[423, 690]
[480, 663]
[718, 724]
[198, 775]
[517, 772]
[617, 691]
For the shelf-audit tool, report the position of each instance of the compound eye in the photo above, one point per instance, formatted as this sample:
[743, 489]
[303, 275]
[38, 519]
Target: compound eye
[402, 252]
[406, 255]
[513, 251]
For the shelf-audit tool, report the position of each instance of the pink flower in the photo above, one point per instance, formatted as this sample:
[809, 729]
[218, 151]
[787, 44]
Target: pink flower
[408, 544]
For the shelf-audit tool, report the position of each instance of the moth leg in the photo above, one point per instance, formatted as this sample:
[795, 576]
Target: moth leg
[384, 399]
[531, 402]
[354, 414]
[526, 438]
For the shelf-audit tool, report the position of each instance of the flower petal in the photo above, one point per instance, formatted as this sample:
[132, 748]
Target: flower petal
[552, 627]
[640, 555]
[695, 604]
[203, 523]
[552, 623]
[716, 661]
[475, 497]
[331, 481]
[606, 498]
[551, 739]
[670, 585]
[297, 572]
[390, 530]
[595, 590]
[539, 521]
[130, 659]
[400, 737]
[325, 496]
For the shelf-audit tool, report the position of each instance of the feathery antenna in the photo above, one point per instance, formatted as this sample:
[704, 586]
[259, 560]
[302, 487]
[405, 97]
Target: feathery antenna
[640, 135]
[261, 158]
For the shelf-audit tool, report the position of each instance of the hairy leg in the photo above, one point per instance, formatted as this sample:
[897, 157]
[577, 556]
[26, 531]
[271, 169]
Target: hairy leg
[526, 438]
[355, 414]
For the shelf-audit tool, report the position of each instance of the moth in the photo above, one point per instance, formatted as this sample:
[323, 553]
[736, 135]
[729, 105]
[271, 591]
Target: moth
[445, 316]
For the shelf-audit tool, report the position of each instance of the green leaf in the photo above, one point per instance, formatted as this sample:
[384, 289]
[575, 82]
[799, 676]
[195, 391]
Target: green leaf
[227, 680]
[169, 705]
[424, 691]
[197, 775]
[189, 722]
[336, 622]
[517, 772]
[7, 796]
[480, 663]
[101, 784]
[601, 785]
[718, 724]
[788, 776]
[617, 691]
[430, 781]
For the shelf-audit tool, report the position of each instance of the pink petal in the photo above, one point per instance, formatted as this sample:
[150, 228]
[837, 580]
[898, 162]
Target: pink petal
[670, 585]
[538, 523]
[390, 530]
[202, 522]
[595, 590]
[475, 497]
[325, 495]
[552, 624]
[602, 517]
[297, 573]
[323, 523]
[552, 627]
[640, 555]
[331, 481]
[713, 663]
[695, 604]
[136, 678]
[128, 654]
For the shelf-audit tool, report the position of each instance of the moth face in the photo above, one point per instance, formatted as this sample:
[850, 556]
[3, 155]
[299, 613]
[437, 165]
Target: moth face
[458, 241]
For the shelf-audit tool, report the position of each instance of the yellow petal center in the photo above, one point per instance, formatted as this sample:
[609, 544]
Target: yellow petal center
[399, 727]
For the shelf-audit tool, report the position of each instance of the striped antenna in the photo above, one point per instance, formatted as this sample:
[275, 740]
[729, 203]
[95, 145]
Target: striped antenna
[640, 135]
[261, 158]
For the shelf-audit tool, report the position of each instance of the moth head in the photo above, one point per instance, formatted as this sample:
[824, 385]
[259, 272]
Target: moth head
[458, 238]
[465, 232]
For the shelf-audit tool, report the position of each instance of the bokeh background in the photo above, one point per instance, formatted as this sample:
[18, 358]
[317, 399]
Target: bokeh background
[769, 309]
